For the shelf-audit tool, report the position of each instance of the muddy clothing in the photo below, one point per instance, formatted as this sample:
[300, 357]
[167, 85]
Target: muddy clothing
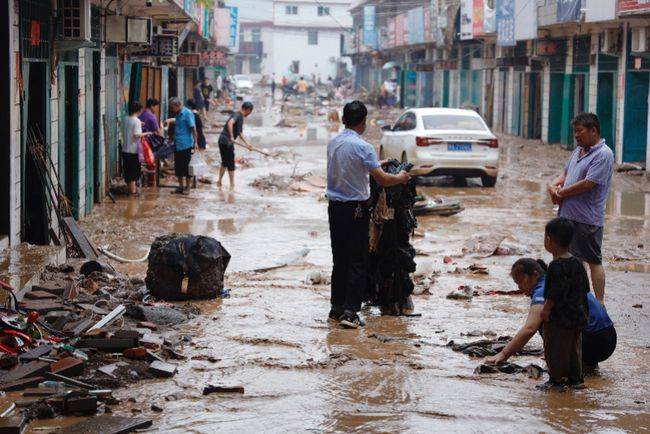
[227, 152]
[349, 161]
[199, 131]
[567, 285]
[182, 162]
[563, 352]
[184, 129]
[587, 243]
[597, 166]
[598, 347]
[348, 223]
[237, 127]
[131, 166]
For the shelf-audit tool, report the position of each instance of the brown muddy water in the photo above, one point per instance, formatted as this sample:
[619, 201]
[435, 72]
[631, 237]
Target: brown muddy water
[301, 373]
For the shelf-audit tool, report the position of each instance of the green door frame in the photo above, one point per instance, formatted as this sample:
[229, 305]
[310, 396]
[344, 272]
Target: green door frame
[89, 132]
[606, 106]
[555, 107]
[445, 88]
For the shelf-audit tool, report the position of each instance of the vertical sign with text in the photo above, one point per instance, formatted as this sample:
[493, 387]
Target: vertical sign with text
[506, 23]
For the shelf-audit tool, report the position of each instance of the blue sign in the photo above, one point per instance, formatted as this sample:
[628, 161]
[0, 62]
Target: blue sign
[415, 22]
[506, 23]
[568, 10]
[369, 30]
[234, 27]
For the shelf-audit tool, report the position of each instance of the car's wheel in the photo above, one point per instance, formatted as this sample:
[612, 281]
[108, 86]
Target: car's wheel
[404, 159]
[382, 154]
[488, 181]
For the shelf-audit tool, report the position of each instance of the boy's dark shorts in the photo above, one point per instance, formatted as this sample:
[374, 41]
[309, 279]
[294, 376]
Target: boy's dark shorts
[227, 151]
[182, 162]
[587, 243]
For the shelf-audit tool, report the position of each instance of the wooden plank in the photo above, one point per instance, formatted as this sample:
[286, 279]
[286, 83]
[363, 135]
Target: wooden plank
[107, 424]
[79, 239]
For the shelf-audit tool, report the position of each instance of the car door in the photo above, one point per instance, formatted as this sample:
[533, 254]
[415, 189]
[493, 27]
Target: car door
[389, 143]
[404, 137]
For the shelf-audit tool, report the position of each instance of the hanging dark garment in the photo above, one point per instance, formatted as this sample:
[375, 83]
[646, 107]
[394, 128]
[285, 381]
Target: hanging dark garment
[392, 223]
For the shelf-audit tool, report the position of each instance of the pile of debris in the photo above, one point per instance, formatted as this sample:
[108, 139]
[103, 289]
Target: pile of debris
[80, 333]
[304, 183]
[491, 347]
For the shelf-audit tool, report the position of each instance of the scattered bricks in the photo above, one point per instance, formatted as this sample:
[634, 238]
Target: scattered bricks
[152, 342]
[68, 366]
[8, 361]
[97, 333]
[35, 353]
[152, 357]
[53, 316]
[12, 424]
[163, 369]
[31, 369]
[80, 404]
[156, 408]
[54, 288]
[138, 353]
[39, 392]
[39, 295]
[21, 384]
[104, 344]
[89, 285]
[148, 325]
[127, 334]
[41, 306]
[94, 309]
[77, 328]
[70, 292]
[207, 390]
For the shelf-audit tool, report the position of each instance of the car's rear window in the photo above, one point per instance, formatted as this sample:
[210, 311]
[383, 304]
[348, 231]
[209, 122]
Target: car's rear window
[452, 122]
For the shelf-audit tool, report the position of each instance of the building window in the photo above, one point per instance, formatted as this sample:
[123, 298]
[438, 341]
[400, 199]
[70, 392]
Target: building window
[291, 10]
[312, 37]
[256, 35]
[323, 10]
[242, 34]
[295, 67]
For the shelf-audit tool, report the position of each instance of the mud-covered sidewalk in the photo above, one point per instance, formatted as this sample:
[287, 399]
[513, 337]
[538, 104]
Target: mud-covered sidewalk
[301, 373]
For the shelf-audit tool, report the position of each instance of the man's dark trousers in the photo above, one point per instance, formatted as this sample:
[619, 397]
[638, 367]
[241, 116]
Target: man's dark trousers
[349, 237]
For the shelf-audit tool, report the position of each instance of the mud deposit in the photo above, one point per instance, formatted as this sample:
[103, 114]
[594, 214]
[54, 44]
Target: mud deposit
[301, 373]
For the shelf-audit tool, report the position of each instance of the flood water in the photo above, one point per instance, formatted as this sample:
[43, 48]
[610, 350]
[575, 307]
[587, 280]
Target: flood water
[302, 373]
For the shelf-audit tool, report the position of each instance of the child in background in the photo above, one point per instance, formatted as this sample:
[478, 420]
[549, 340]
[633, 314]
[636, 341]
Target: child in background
[566, 311]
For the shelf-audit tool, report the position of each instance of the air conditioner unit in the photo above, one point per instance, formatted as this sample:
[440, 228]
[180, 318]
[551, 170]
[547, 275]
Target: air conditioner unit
[609, 41]
[75, 20]
[639, 40]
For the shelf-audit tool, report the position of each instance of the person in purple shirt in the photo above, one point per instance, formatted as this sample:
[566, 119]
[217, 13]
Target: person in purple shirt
[581, 192]
[149, 120]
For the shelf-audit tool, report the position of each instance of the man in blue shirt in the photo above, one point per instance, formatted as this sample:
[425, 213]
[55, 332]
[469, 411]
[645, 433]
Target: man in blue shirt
[581, 191]
[186, 140]
[350, 160]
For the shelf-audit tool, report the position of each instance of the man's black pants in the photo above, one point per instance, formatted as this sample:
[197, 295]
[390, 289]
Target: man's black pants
[349, 237]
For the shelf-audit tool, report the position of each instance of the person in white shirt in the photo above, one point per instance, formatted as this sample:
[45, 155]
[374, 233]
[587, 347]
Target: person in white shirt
[130, 160]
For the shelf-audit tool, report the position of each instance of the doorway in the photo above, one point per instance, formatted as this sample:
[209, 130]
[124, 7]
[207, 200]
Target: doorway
[69, 158]
[97, 168]
[534, 118]
[555, 108]
[635, 127]
[35, 223]
[605, 106]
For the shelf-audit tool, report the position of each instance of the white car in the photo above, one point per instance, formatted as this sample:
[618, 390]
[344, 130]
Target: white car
[443, 141]
[242, 82]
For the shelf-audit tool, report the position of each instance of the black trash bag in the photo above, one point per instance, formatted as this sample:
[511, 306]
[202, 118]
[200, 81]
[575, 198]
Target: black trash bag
[185, 267]
[391, 253]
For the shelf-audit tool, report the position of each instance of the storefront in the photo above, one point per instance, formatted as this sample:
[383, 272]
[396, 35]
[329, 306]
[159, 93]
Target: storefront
[637, 84]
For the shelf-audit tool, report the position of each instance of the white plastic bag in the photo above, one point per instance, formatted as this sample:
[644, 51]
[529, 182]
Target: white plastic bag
[197, 167]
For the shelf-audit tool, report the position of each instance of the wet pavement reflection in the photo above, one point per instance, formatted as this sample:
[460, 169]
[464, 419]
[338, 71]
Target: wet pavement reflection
[302, 373]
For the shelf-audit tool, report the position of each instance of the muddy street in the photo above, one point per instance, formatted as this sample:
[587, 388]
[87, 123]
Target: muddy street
[301, 373]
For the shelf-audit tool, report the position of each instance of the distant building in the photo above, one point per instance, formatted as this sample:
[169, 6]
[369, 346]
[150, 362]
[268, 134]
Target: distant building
[303, 37]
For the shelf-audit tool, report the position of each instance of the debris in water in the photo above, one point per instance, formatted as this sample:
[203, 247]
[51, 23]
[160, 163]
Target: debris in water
[490, 347]
[184, 267]
[464, 292]
[533, 371]
[207, 390]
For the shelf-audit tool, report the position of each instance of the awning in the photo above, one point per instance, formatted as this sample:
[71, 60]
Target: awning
[389, 65]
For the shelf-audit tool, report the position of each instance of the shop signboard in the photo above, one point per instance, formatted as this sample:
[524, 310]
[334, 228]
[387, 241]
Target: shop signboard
[526, 23]
[416, 26]
[466, 14]
[192, 9]
[369, 29]
[189, 60]
[234, 28]
[400, 30]
[410, 88]
[213, 58]
[489, 16]
[568, 10]
[633, 6]
[506, 23]
[477, 18]
[447, 64]
[390, 40]
[222, 27]
[428, 24]
[551, 47]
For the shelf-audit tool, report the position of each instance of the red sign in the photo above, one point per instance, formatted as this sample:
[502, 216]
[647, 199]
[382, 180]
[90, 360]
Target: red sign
[391, 32]
[478, 18]
[632, 6]
[189, 60]
[214, 58]
[551, 47]
[35, 33]
[400, 38]
[447, 64]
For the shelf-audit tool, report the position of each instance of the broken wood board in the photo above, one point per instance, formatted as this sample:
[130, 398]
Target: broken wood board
[81, 242]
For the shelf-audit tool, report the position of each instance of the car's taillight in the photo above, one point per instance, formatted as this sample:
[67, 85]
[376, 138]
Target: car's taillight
[490, 143]
[427, 141]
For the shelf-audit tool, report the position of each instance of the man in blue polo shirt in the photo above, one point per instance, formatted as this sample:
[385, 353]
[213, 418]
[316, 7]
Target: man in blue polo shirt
[186, 140]
[581, 191]
[349, 161]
